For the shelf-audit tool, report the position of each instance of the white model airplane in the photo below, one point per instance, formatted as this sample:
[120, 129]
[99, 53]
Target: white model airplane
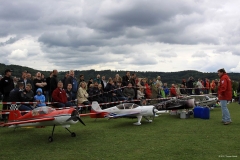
[125, 110]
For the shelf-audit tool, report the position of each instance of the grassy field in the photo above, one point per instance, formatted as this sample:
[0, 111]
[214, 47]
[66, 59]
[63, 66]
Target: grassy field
[168, 137]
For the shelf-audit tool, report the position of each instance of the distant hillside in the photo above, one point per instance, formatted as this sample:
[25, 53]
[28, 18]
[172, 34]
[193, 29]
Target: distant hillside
[169, 77]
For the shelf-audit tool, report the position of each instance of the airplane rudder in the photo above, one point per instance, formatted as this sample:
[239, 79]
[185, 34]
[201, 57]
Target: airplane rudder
[13, 115]
[95, 106]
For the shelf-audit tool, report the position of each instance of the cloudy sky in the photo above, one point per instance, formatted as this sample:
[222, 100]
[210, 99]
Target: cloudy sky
[135, 35]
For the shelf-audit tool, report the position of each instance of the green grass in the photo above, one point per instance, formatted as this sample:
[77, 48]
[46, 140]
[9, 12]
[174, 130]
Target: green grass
[168, 137]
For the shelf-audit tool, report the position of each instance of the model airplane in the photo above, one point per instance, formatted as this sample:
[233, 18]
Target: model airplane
[205, 100]
[44, 116]
[124, 110]
[176, 104]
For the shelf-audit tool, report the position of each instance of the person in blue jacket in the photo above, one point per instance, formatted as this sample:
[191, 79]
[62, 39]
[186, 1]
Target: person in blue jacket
[40, 98]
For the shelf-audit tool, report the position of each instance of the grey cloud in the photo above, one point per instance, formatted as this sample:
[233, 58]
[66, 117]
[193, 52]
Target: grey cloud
[19, 11]
[235, 50]
[11, 40]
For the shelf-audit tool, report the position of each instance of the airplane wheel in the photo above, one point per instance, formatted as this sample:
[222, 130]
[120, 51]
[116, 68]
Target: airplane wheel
[50, 139]
[73, 134]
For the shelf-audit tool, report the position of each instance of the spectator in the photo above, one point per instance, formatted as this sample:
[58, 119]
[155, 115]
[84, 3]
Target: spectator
[95, 93]
[16, 96]
[82, 95]
[59, 95]
[166, 89]
[173, 92]
[116, 79]
[81, 79]
[24, 79]
[39, 82]
[102, 95]
[207, 86]
[27, 94]
[103, 82]
[177, 90]
[159, 81]
[224, 95]
[148, 92]
[6, 85]
[133, 81]
[69, 95]
[89, 82]
[15, 81]
[65, 77]
[199, 87]
[1, 95]
[184, 83]
[119, 92]
[48, 87]
[129, 92]
[53, 81]
[183, 90]
[110, 88]
[140, 93]
[126, 79]
[74, 83]
[190, 85]
[39, 97]
[212, 86]
[98, 80]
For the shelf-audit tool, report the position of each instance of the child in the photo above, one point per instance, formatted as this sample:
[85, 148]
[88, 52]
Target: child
[40, 98]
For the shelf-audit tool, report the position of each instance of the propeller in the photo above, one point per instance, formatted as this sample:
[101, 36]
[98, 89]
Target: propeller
[75, 117]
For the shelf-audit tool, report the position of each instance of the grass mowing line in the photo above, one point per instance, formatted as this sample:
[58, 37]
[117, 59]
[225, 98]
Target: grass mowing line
[168, 137]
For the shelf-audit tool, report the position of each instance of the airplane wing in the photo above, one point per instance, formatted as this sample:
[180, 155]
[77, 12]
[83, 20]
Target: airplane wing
[27, 121]
[114, 115]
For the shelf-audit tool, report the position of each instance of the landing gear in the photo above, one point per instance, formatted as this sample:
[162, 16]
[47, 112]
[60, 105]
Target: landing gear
[50, 138]
[72, 133]
[148, 120]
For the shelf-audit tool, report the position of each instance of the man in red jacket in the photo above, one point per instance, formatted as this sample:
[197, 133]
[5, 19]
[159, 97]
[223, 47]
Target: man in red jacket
[224, 95]
[59, 95]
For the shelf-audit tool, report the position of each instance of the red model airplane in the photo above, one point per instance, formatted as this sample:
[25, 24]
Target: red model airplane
[44, 116]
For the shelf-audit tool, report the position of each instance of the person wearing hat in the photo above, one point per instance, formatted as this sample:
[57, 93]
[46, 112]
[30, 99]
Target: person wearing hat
[6, 85]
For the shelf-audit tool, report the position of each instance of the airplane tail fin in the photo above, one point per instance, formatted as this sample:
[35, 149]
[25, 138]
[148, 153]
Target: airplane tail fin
[96, 107]
[13, 115]
[96, 111]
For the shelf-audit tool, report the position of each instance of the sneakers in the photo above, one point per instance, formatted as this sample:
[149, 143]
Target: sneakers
[227, 123]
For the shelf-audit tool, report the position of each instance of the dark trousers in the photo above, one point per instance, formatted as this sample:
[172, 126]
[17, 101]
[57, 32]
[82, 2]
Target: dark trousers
[5, 107]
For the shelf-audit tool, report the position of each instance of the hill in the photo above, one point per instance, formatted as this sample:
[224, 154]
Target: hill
[169, 77]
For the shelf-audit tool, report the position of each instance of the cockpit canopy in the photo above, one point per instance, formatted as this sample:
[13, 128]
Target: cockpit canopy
[127, 106]
[42, 110]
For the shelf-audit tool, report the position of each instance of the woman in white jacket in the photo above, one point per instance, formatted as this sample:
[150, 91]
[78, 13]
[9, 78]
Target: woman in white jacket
[82, 95]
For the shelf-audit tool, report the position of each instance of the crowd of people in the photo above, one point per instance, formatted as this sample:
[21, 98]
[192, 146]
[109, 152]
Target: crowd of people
[71, 91]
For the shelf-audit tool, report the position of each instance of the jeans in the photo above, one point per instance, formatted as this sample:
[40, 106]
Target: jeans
[225, 112]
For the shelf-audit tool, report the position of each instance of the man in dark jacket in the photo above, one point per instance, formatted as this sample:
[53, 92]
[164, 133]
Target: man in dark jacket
[126, 79]
[190, 85]
[73, 81]
[6, 85]
[53, 81]
[24, 79]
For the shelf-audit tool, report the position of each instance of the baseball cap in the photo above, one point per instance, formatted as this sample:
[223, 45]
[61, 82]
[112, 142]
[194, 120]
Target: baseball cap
[8, 70]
